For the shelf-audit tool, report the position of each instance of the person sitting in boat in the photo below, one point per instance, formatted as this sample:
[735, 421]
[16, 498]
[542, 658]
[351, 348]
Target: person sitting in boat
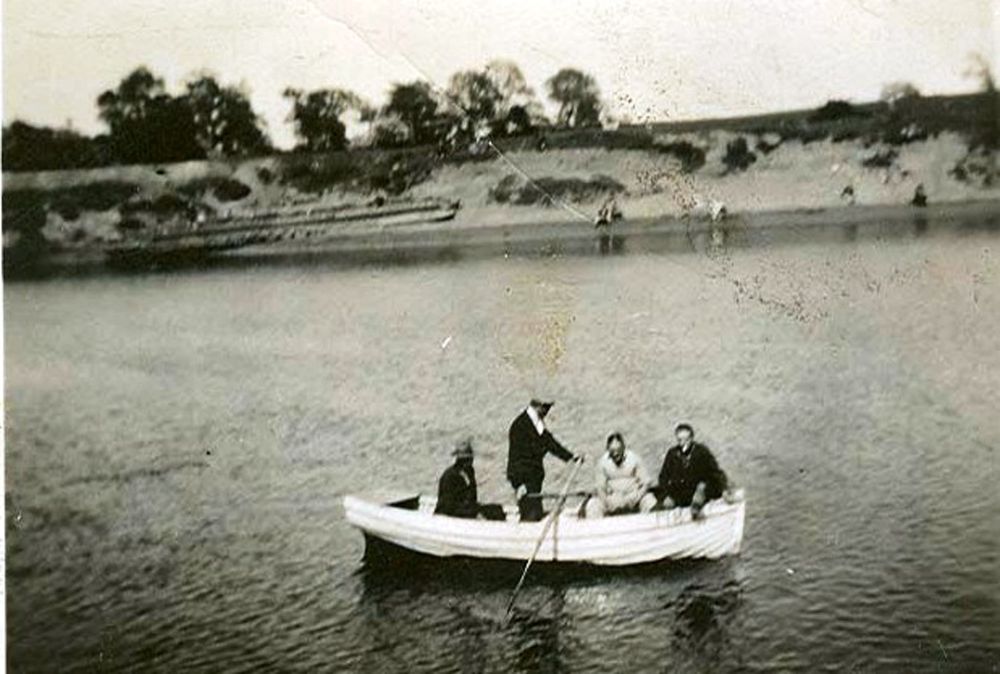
[622, 482]
[690, 476]
[457, 495]
[528, 443]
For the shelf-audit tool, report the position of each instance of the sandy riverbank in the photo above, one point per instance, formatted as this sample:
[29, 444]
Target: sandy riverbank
[515, 192]
[442, 242]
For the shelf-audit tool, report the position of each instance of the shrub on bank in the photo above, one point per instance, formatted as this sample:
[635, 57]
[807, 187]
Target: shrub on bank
[835, 110]
[883, 158]
[68, 202]
[515, 190]
[393, 172]
[691, 156]
[977, 167]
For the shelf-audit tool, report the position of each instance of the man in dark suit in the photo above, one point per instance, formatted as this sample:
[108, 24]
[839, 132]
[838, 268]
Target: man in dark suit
[457, 495]
[690, 475]
[529, 442]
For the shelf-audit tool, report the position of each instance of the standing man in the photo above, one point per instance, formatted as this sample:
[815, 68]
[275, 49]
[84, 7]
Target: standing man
[529, 442]
[690, 475]
[457, 495]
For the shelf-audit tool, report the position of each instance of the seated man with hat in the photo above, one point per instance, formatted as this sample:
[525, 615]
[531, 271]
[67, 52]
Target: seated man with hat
[457, 495]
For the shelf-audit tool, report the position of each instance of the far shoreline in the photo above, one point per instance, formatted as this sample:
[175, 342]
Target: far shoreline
[837, 166]
[443, 241]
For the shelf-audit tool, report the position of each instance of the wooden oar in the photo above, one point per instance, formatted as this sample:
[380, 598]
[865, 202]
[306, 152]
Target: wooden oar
[538, 544]
[552, 494]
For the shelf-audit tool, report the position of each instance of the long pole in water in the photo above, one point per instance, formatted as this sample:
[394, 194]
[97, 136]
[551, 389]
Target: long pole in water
[545, 530]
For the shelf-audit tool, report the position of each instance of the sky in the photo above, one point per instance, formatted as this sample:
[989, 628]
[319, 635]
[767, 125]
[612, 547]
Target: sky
[672, 59]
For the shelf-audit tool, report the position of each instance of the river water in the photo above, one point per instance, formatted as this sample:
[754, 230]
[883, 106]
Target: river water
[178, 445]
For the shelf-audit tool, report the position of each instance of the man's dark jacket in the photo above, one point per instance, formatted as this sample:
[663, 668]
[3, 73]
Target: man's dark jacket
[680, 474]
[527, 449]
[457, 492]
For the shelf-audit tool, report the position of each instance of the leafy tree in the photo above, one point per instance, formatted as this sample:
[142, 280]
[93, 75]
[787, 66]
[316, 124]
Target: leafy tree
[133, 99]
[415, 106]
[496, 99]
[979, 68]
[317, 114]
[38, 148]
[511, 85]
[146, 124]
[225, 123]
[509, 80]
[578, 97]
[519, 120]
[518, 109]
[390, 131]
[834, 110]
[478, 97]
[897, 91]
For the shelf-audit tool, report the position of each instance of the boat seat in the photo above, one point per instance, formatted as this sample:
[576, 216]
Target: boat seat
[411, 503]
[427, 503]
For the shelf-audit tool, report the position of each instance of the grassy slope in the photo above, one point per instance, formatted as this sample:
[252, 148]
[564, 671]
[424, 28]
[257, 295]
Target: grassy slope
[798, 162]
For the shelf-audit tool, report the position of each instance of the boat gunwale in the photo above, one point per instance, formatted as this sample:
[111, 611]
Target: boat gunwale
[571, 527]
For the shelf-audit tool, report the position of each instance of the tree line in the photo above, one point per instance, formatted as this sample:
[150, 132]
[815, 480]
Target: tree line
[147, 124]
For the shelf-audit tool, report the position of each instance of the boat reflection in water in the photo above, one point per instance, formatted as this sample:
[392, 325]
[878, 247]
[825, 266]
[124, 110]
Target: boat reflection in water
[673, 615]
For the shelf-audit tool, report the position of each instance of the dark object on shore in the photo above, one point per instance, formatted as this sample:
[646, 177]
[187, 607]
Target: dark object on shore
[976, 168]
[919, 197]
[845, 135]
[542, 145]
[265, 175]
[847, 194]
[230, 190]
[226, 190]
[738, 155]
[769, 142]
[880, 159]
[691, 156]
[515, 190]
[835, 110]
[901, 135]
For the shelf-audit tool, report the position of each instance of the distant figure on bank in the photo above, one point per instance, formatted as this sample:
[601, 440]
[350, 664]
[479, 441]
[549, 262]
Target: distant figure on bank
[607, 213]
[529, 441]
[690, 475]
[919, 196]
[622, 484]
[457, 495]
[703, 206]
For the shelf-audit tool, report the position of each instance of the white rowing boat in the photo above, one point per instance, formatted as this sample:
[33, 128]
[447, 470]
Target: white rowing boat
[409, 522]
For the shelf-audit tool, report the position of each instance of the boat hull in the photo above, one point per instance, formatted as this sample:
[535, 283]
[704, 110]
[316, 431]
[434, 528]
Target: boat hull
[625, 540]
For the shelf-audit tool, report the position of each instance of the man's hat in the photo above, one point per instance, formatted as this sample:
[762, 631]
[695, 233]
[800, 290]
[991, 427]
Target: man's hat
[463, 449]
[540, 403]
